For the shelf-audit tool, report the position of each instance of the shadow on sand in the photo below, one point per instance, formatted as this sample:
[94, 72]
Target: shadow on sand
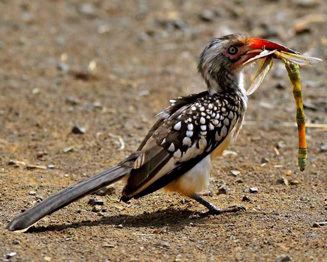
[174, 218]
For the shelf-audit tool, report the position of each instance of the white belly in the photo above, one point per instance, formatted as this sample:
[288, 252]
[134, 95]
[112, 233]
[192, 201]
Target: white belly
[194, 181]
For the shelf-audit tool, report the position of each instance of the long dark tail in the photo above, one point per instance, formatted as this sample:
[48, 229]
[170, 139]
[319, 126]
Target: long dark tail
[70, 194]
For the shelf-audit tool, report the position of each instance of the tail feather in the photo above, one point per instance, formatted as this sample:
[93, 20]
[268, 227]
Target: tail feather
[67, 196]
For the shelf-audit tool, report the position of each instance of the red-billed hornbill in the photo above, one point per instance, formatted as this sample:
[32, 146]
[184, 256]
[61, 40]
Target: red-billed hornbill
[177, 152]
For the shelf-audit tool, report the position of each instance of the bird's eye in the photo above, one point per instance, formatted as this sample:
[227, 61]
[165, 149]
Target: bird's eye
[232, 50]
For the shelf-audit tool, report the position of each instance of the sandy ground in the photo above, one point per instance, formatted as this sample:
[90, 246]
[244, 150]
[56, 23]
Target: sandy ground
[109, 67]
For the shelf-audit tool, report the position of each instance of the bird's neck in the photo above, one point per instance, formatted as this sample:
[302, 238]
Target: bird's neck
[227, 83]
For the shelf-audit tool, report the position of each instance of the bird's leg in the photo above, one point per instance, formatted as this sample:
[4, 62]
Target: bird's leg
[216, 210]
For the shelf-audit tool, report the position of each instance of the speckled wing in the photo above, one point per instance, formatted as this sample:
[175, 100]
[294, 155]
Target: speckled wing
[183, 137]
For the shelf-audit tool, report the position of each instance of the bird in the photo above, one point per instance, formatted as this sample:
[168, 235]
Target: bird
[177, 152]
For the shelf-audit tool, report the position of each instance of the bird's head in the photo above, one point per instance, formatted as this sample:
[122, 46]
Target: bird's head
[223, 59]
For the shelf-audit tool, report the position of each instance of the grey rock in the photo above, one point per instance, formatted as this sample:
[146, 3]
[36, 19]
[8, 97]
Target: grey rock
[207, 15]
[282, 181]
[95, 202]
[223, 189]
[253, 190]
[79, 130]
[234, 173]
[283, 258]
[246, 199]
[10, 255]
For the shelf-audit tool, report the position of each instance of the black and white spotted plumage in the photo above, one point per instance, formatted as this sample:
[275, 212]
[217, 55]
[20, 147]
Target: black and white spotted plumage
[203, 123]
[187, 131]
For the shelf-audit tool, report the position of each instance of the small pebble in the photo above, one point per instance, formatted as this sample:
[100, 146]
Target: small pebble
[323, 148]
[253, 190]
[41, 154]
[178, 258]
[280, 86]
[207, 15]
[32, 167]
[164, 244]
[308, 105]
[16, 242]
[73, 101]
[246, 199]
[283, 258]
[87, 9]
[280, 144]
[319, 224]
[107, 191]
[96, 209]
[32, 193]
[288, 172]
[223, 189]
[294, 182]
[306, 3]
[235, 173]
[10, 255]
[282, 181]
[16, 163]
[108, 245]
[120, 226]
[68, 149]
[50, 166]
[63, 67]
[78, 130]
[95, 202]
[264, 160]
[103, 29]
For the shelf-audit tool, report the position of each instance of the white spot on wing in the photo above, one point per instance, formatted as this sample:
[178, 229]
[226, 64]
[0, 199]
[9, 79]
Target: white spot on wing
[215, 122]
[187, 141]
[202, 120]
[217, 136]
[163, 141]
[189, 133]
[171, 148]
[178, 126]
[226, 121]
[178, 153]
[223, 131]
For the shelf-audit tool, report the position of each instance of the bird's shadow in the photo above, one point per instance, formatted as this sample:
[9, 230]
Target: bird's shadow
[175, 219]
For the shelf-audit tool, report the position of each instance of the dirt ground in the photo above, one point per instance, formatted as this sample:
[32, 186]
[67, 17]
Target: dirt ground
[109, 67]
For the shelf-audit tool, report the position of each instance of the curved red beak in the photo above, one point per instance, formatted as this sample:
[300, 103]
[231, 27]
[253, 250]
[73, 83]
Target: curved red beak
[260, 48]
[263, 44]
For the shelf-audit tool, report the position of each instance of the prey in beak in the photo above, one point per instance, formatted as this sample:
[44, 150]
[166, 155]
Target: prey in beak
[264, 51]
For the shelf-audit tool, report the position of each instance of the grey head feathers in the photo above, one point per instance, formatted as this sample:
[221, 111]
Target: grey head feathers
[215, 68]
